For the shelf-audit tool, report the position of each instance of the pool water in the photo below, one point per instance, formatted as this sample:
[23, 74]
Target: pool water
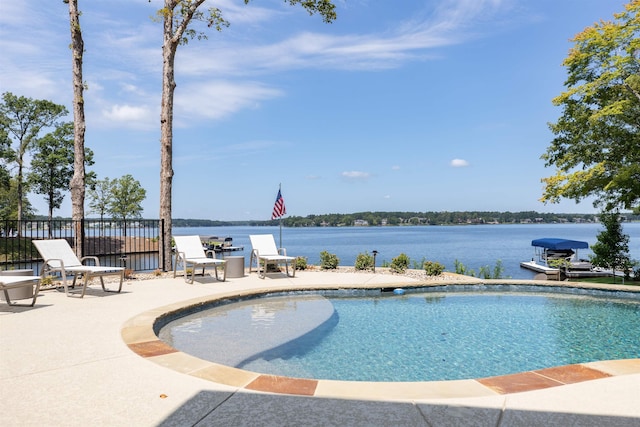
[418, 336]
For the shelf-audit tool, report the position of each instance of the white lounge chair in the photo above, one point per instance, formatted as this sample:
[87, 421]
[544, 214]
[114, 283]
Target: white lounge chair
[14, 282]
[264, 252]
[189, 250]
[60, 258]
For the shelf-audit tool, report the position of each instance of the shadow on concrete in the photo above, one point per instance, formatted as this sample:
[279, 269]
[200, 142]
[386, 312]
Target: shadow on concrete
[208, 408]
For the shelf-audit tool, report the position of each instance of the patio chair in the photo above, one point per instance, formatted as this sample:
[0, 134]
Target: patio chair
[189, 250]
[15, 282]
[264, 252]
[60, 258]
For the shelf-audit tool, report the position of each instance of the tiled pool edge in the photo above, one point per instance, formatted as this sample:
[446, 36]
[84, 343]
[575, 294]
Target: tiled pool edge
[138, 333]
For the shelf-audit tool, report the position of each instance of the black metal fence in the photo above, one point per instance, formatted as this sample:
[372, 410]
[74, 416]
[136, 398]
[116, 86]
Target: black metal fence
[135, 245]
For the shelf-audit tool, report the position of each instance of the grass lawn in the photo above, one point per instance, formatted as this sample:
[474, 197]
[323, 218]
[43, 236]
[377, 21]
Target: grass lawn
[608, 280]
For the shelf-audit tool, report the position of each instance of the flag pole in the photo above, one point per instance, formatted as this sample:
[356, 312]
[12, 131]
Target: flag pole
[279, 210]
[280, 219]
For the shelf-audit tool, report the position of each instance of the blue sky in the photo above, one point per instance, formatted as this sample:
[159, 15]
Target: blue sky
[401, 105]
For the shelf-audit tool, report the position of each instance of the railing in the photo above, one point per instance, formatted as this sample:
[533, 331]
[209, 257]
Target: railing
[136, 246]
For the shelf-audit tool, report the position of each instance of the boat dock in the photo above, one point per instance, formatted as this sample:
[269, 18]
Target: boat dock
[553, 249]
[553, 272]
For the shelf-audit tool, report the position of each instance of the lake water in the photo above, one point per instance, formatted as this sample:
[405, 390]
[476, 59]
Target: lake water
[472, 245]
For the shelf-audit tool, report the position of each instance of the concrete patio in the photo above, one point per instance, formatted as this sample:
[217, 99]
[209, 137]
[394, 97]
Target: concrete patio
[64, 362]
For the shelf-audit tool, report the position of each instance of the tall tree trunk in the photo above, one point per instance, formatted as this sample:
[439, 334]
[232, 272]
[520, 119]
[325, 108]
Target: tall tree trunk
[77, 184]
[169, 47]
[20, 190]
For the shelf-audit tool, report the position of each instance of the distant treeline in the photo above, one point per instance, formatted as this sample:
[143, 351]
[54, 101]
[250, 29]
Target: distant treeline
[438, 218]
[374, 219]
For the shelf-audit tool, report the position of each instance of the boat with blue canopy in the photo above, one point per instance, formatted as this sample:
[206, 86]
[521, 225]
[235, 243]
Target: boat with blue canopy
[550, 252]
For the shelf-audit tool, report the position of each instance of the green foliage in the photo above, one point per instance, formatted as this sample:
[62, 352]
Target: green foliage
[595, 149]
[560, 263]
[498, 270]
[52, 165]
[328, 261]
[484, 272]
[635, 270]
[612, 248]
[6, 157]
[9, 202]
[301, 263]
[460, 268]
[433, 268]
[126, 197]
[364, 261]
[16, 249]
[417, 265]
[387, 218]
[400, 263]
[21, 120]
[325, 8]
[99, 195]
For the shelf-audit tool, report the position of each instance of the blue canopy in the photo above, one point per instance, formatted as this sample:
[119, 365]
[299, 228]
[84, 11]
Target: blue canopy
[559, 244]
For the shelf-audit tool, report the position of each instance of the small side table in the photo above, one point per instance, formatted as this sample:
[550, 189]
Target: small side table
[235, 266]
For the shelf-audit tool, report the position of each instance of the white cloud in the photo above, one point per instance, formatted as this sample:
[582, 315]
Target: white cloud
[355, 175]
[219, 99]
[459, 163]
[410, 40]
[130, 115]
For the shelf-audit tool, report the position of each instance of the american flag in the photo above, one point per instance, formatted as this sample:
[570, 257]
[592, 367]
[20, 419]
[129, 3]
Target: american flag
[278, 209]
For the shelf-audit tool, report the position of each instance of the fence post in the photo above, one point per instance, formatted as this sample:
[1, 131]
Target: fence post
[161, 248]
[82, 236]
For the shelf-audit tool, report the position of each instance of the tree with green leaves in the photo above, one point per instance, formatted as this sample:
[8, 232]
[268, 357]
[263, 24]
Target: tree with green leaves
[9, 202]
[176, 16]
[612, 248]
[126, 198]
[22, 119]
[52, 165]
[100, 196]
[596, 146]
[6, 158]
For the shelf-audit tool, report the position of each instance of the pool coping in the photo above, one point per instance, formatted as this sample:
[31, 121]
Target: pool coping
[139, 335]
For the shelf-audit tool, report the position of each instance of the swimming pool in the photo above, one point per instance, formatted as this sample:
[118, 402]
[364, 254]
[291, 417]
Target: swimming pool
[423, 335]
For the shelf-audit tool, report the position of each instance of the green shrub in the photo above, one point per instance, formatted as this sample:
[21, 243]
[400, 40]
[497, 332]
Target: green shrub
[498, 270]
[364, 261]
[560, 263]
[328, 261]
[301, 263]
[417, 265]
[400, 263]
[460, 268]
[483, 272]
[433, 268]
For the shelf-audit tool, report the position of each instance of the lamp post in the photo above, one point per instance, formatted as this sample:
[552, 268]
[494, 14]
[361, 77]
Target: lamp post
[374, 260]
